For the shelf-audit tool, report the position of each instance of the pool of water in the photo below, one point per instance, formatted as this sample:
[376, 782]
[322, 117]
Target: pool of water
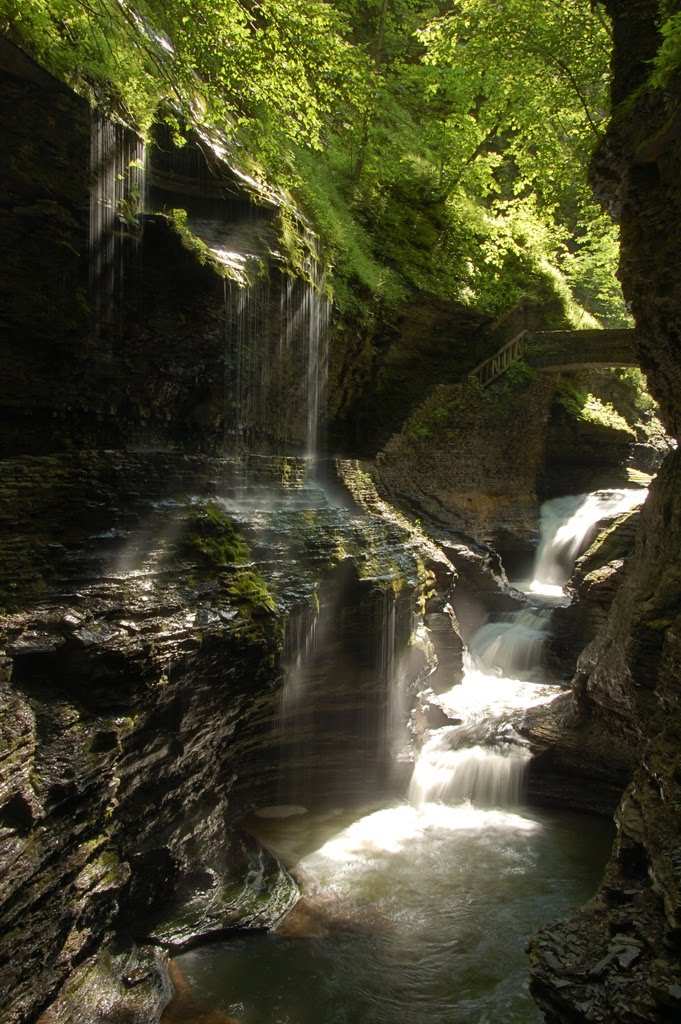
[416, 914]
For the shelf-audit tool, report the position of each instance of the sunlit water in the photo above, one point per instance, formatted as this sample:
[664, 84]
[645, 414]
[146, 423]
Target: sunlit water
[420, 911]
[514, 643]
[568, 525]
[418, 914]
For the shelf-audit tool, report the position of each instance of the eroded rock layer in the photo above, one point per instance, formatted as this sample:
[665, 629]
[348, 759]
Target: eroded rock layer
[618, 959]
[145, 709]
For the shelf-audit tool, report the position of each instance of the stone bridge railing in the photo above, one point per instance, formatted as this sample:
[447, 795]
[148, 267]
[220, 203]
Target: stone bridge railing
[497, 364]
[560, 352]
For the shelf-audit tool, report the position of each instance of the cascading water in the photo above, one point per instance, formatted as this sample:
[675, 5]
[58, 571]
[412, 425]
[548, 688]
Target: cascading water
[421, 909]
[512, 644]
[567, 525]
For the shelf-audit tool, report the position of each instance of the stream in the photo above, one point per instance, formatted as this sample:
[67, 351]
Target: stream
[420, 909]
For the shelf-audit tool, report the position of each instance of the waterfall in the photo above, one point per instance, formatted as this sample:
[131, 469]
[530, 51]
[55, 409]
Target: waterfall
[512, 646]
[487, 776]
[274, 305]
[342, 680]
[318, 358]
[398, 900]
[504, 670]
[300, 654]
[275, 365]
[567, 526]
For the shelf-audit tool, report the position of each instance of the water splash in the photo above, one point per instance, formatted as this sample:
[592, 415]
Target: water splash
[486, 776]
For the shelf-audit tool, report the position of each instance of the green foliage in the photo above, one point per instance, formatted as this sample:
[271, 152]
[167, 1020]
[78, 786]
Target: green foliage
[436, 147]
[667, 62]
[348, 245]
[465, 164]
[527, 94]
[596, 411]
[280, 65]
[628, 391]
[521, 373]
[581, 405]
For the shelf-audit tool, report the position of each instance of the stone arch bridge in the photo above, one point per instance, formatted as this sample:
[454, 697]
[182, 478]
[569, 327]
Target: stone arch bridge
[561, 352]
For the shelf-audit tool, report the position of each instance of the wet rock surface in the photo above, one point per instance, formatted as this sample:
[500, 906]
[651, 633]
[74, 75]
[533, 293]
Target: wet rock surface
[618, 959]
[592, 587]
[624, 719]
[142, 696]
[576, 763]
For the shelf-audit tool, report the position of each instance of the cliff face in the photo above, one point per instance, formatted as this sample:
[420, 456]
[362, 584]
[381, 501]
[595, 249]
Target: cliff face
[188, 625]
[143, 673]
[619, 958]
[164, 682]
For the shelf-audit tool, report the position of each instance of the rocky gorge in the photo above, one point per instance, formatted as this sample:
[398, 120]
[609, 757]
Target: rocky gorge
[178, 549]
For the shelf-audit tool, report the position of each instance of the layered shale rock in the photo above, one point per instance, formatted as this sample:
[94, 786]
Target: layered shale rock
[618, 959]
[467, 461]
[142, 707]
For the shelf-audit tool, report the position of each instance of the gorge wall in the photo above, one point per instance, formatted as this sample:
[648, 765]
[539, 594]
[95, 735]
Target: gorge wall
[169, 564]
[618, 959]
[154, 616]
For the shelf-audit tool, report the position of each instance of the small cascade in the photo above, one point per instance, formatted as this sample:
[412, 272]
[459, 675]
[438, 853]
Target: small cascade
[567, 526]
[512, 645]
[487, 776]
[117, 191]
[480, 760]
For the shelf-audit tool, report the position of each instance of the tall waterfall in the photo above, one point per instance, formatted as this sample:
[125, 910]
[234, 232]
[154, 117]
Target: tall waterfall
[274, 309]
[275, 363]
[341, 677]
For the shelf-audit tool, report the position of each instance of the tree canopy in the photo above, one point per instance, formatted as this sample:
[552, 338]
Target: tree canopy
[437, 145]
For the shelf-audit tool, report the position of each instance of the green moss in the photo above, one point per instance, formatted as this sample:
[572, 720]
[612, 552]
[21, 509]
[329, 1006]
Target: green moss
[660, 625]
[247, 589]
[234, 271]
[214, 537]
